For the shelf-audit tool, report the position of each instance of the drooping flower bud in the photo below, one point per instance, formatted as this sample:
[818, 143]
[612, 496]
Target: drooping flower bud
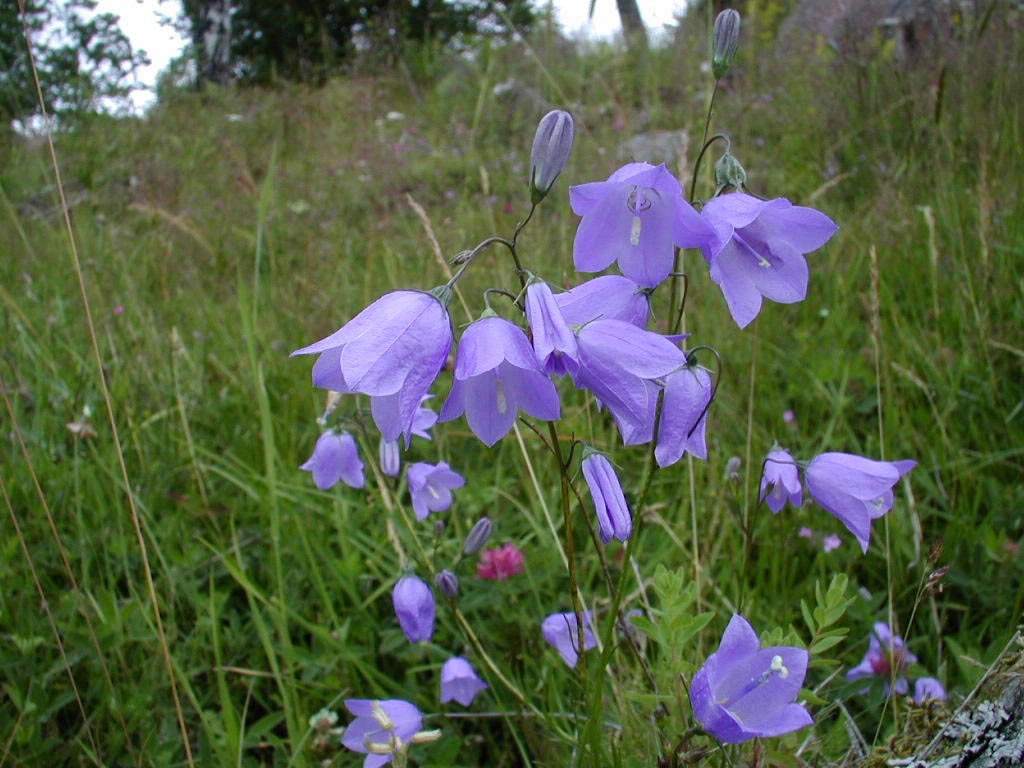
[478, 536]
[551, 147]
[447, 584]
[390, 458]
[726, 39]
[613, 515]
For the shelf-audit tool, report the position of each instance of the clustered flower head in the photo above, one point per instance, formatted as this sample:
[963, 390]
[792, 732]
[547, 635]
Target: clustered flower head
[500, 563]
[744, 690]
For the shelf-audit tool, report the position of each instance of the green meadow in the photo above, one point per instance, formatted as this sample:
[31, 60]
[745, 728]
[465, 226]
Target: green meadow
[177, 592]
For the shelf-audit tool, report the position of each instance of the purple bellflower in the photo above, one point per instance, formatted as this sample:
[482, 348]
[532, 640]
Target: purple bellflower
[381, 729]
[758, 250]
[335, 457]
[553, 340]
[928, 689]
[743, 690]
[459, 681]
[887, 658]
[780, 481]
[684, 415]
[561, 631]
[618, 364]
[414, 607]
[613, 516]
[391, 351]
[636, 218]
[612, 297]
[430, 486]
[496, 375]
[854, 489]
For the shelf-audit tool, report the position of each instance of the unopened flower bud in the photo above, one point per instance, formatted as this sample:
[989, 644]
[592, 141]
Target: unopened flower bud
[478, 536]
[447, 584]
[729, 172]
[551, 147]
[726, 39]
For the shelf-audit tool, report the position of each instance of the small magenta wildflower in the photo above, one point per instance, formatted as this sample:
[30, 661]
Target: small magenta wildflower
[780, 481]
[391, 351]
[613, 516]
[459, 681]
[381, 729]
[636, 218]
[414, 608]
[854, 489]
[496, 375]
[887, 658]
[500, 563]
[758, 250]
[831, 543]
[335, 458]
[744, 690]
[430, 486]
[561, 631]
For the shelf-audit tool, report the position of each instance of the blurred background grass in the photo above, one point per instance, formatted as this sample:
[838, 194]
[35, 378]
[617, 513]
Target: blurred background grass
[232, 226]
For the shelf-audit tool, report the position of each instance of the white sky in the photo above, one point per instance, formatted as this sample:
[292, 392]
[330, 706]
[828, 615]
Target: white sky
[140, 21]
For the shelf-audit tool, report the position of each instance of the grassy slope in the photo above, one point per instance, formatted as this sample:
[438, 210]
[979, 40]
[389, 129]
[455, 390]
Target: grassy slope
[234, 227]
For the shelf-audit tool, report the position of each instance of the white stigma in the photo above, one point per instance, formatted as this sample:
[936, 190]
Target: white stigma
[634, 231]
[779, 668]
[381, 716]
[500, 394]
[763, 262]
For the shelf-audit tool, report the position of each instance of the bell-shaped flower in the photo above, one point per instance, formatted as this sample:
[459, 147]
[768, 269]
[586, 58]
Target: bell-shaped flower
[612, 297]
[459, 681]
[553, 340]
[414, 608]
[780, 481]
[391, 351]
[684, 415]
[496, 375]
[854, 489]
[430, 487]
[335, 457]
[758, 250]
[744, 690]
[619, 364]
[928, 689]
[381, 729]
[561, 631]
[613, 516]
[635, 218]
[887, 659]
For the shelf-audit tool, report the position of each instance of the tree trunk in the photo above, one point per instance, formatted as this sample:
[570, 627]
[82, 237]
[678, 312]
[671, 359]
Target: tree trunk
[632, 25]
